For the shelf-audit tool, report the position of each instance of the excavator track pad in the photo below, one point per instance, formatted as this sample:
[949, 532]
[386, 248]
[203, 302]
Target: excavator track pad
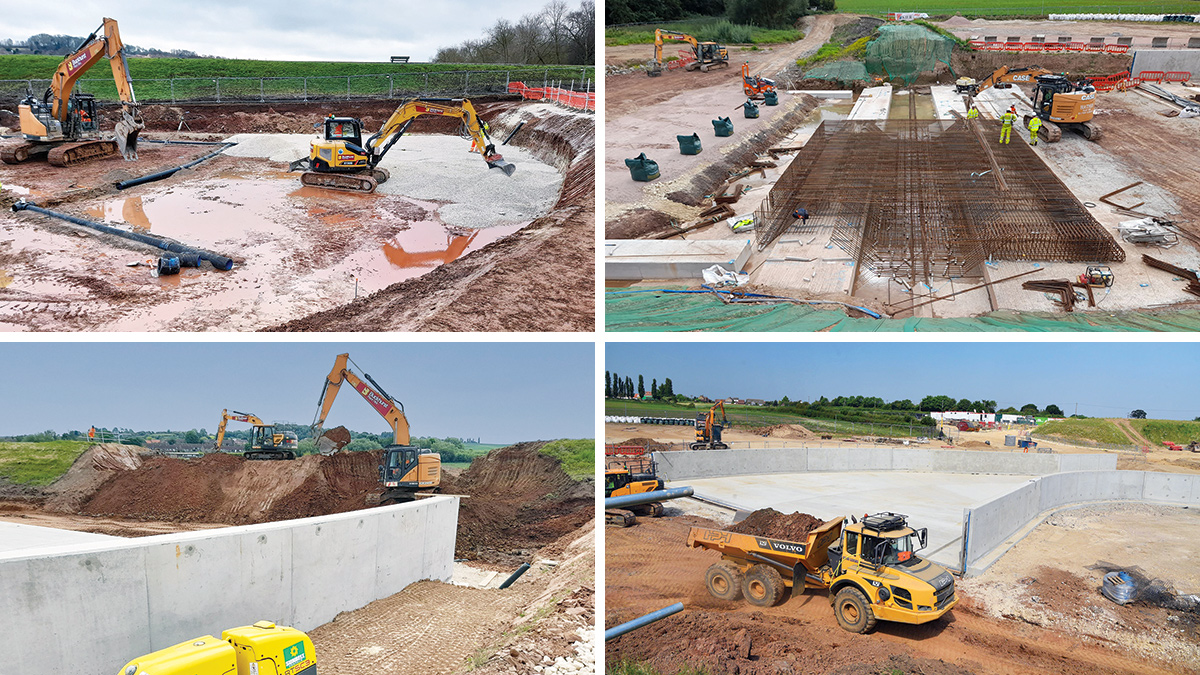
[17, 153]
[344, 182]
[70, 154]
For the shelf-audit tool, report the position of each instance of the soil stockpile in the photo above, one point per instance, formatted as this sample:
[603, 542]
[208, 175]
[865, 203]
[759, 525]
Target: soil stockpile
[518, 501]
[222, 488]
[773, 524]
[96, 465]
[649, 443]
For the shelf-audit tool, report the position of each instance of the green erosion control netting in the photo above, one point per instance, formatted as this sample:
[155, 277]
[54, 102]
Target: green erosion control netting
[842, 71]
[633, 310]
[904, 52]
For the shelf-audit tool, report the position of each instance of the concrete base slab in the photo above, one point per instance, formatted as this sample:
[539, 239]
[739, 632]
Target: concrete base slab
[932, 500]
[874, 103]
[946, 100]
[16, 537]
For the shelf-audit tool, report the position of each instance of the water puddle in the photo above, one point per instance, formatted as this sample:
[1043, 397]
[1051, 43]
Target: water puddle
[429, 244]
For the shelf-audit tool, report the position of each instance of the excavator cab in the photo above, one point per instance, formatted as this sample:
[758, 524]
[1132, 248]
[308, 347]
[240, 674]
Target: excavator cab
[407, 469]
[266, 443]
[345, 129]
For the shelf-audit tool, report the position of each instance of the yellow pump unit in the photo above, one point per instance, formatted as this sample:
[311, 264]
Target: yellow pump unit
[261, 649]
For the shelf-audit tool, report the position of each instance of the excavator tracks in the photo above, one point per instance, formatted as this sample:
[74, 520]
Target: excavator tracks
[70, 154]
[15, 154]
[345, 182]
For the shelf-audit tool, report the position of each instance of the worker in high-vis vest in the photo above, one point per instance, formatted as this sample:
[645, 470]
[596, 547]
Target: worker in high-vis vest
[1035, 125]
[1006, 129]
[973, 113]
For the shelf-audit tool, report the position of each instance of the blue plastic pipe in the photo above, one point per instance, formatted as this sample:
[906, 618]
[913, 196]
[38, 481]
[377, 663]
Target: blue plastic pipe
[618, 631]
[646, 497]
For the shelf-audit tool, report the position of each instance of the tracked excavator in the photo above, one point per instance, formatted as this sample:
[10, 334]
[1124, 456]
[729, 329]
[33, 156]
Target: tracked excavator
[708, 54]
[265, 442]
[631, 475]
[405, 470]
[1060, 103]
[63, 125]
[708, 429]
[342, 161]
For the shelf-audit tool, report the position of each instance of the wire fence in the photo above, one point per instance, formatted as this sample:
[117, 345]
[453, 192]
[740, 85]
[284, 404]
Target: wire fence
[831, 427]
[321, 87]
[1048, 8]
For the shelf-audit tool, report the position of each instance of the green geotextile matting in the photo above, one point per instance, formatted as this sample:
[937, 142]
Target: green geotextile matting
[633, 310]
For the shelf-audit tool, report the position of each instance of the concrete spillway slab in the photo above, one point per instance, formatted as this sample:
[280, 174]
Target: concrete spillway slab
[945, 100]
[932, 500]
[874, 103]
[17, 537]
[671, 259]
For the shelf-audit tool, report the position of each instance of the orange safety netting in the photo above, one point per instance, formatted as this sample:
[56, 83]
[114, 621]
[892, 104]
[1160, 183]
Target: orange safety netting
[572, 99]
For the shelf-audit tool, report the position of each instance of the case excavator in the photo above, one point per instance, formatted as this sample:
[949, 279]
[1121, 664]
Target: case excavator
[265, 442]
[63, 125]
[1060, 103]
[342, 161]
[708, 54]
[405, 470]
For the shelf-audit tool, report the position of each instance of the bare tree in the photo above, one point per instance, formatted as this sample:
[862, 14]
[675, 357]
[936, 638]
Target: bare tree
[553, 36]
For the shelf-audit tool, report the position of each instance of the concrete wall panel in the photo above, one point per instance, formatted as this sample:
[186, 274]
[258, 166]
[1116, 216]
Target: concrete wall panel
[1166, 60]
[1168, 487]
[995, 521]
[89, 608]
[913, 459]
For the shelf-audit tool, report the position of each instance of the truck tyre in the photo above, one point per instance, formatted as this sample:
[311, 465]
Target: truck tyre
[763, 586]
[724, 581]
[853, 611]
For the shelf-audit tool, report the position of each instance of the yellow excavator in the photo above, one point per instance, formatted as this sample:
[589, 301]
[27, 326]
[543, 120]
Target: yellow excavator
[1060, 103]
[342, 161]
[63, 125]
[708, 429]
[265, 442]
[708, 54]
[405, 470]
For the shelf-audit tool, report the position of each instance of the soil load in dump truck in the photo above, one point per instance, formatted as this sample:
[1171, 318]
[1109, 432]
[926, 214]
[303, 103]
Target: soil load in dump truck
[870, 568]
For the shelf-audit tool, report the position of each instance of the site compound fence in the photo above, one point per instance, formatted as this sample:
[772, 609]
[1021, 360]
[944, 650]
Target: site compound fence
[1049, 47]
[566, 83]
[579, 100]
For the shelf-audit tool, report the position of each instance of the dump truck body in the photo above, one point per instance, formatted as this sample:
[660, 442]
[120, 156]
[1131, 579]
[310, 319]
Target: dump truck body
[877, 564]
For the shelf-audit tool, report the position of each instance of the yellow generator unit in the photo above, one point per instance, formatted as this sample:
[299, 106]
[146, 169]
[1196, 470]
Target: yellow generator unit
[261, 649]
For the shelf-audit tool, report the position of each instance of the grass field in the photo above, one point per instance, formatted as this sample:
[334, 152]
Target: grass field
[1157, 431]
[750, 415]
[578, 455]
[197, 79]
[483, 448]
[38, 464]
[1096, 430]
[984, 8]
[714, 29]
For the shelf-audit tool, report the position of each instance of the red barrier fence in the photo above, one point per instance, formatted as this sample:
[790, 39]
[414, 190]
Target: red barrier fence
[1122, 81]
[1048, 47]
[572, 99]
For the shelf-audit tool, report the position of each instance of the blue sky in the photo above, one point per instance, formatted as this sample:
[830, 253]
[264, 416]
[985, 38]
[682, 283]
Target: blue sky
[1104, 379]
[303, 30]
[497, 392]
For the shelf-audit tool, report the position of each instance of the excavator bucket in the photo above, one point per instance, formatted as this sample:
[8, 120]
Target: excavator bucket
[498, 162]
[127, 134]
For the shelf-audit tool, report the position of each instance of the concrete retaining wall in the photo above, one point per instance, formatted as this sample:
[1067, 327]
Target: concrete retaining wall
[88, 609]
[1167, 60]
[691, 464]
[989, 526]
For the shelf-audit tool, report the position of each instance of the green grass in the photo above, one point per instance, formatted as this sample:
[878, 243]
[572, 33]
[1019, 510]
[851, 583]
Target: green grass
[578, 455]
[624, 667]
[38, 464]
[1157, 431]
[483, 448]
[406, 79]
[456, 465]
[708, 29]
[877, 423]
[983, 8]
[1096, 430]
[832, 51]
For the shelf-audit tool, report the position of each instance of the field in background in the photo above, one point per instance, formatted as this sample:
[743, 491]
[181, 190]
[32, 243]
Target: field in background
[983, 8]
[1157, 431]
[38, 464]
[1094, 429]
[705, 29]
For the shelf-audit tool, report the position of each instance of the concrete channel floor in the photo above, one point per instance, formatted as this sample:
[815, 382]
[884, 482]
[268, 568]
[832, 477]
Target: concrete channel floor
[932, 500]
[18, 537]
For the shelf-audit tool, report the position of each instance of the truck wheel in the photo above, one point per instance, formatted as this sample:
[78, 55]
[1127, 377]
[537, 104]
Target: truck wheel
[724, 581]
[763, 586]
[853, 611]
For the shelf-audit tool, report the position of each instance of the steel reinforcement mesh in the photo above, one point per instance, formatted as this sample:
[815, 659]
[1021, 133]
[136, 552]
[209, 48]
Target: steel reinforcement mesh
[918, 198]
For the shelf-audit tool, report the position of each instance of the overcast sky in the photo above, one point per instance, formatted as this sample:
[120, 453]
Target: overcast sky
[497, 392]
[1105, 379]
[302, 30]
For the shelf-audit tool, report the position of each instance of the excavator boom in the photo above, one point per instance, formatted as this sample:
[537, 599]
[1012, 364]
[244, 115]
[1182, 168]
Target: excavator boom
[385, 405]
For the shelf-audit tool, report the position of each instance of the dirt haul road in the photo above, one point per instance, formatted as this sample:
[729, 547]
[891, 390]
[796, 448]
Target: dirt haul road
[648, 567]
[300, 251]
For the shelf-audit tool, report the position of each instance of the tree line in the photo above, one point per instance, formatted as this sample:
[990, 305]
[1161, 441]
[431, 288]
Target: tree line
[556, 35]
[62, 45]
[616, 386]
[761, 13]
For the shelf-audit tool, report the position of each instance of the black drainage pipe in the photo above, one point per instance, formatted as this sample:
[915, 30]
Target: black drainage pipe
[218, 261]
[514, 133]
[515, 575]
[171, 172]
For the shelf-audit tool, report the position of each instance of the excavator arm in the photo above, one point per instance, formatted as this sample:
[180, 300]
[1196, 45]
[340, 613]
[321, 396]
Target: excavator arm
[385, 405]
[403, 117]
[1004, 74]
[236, 417]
